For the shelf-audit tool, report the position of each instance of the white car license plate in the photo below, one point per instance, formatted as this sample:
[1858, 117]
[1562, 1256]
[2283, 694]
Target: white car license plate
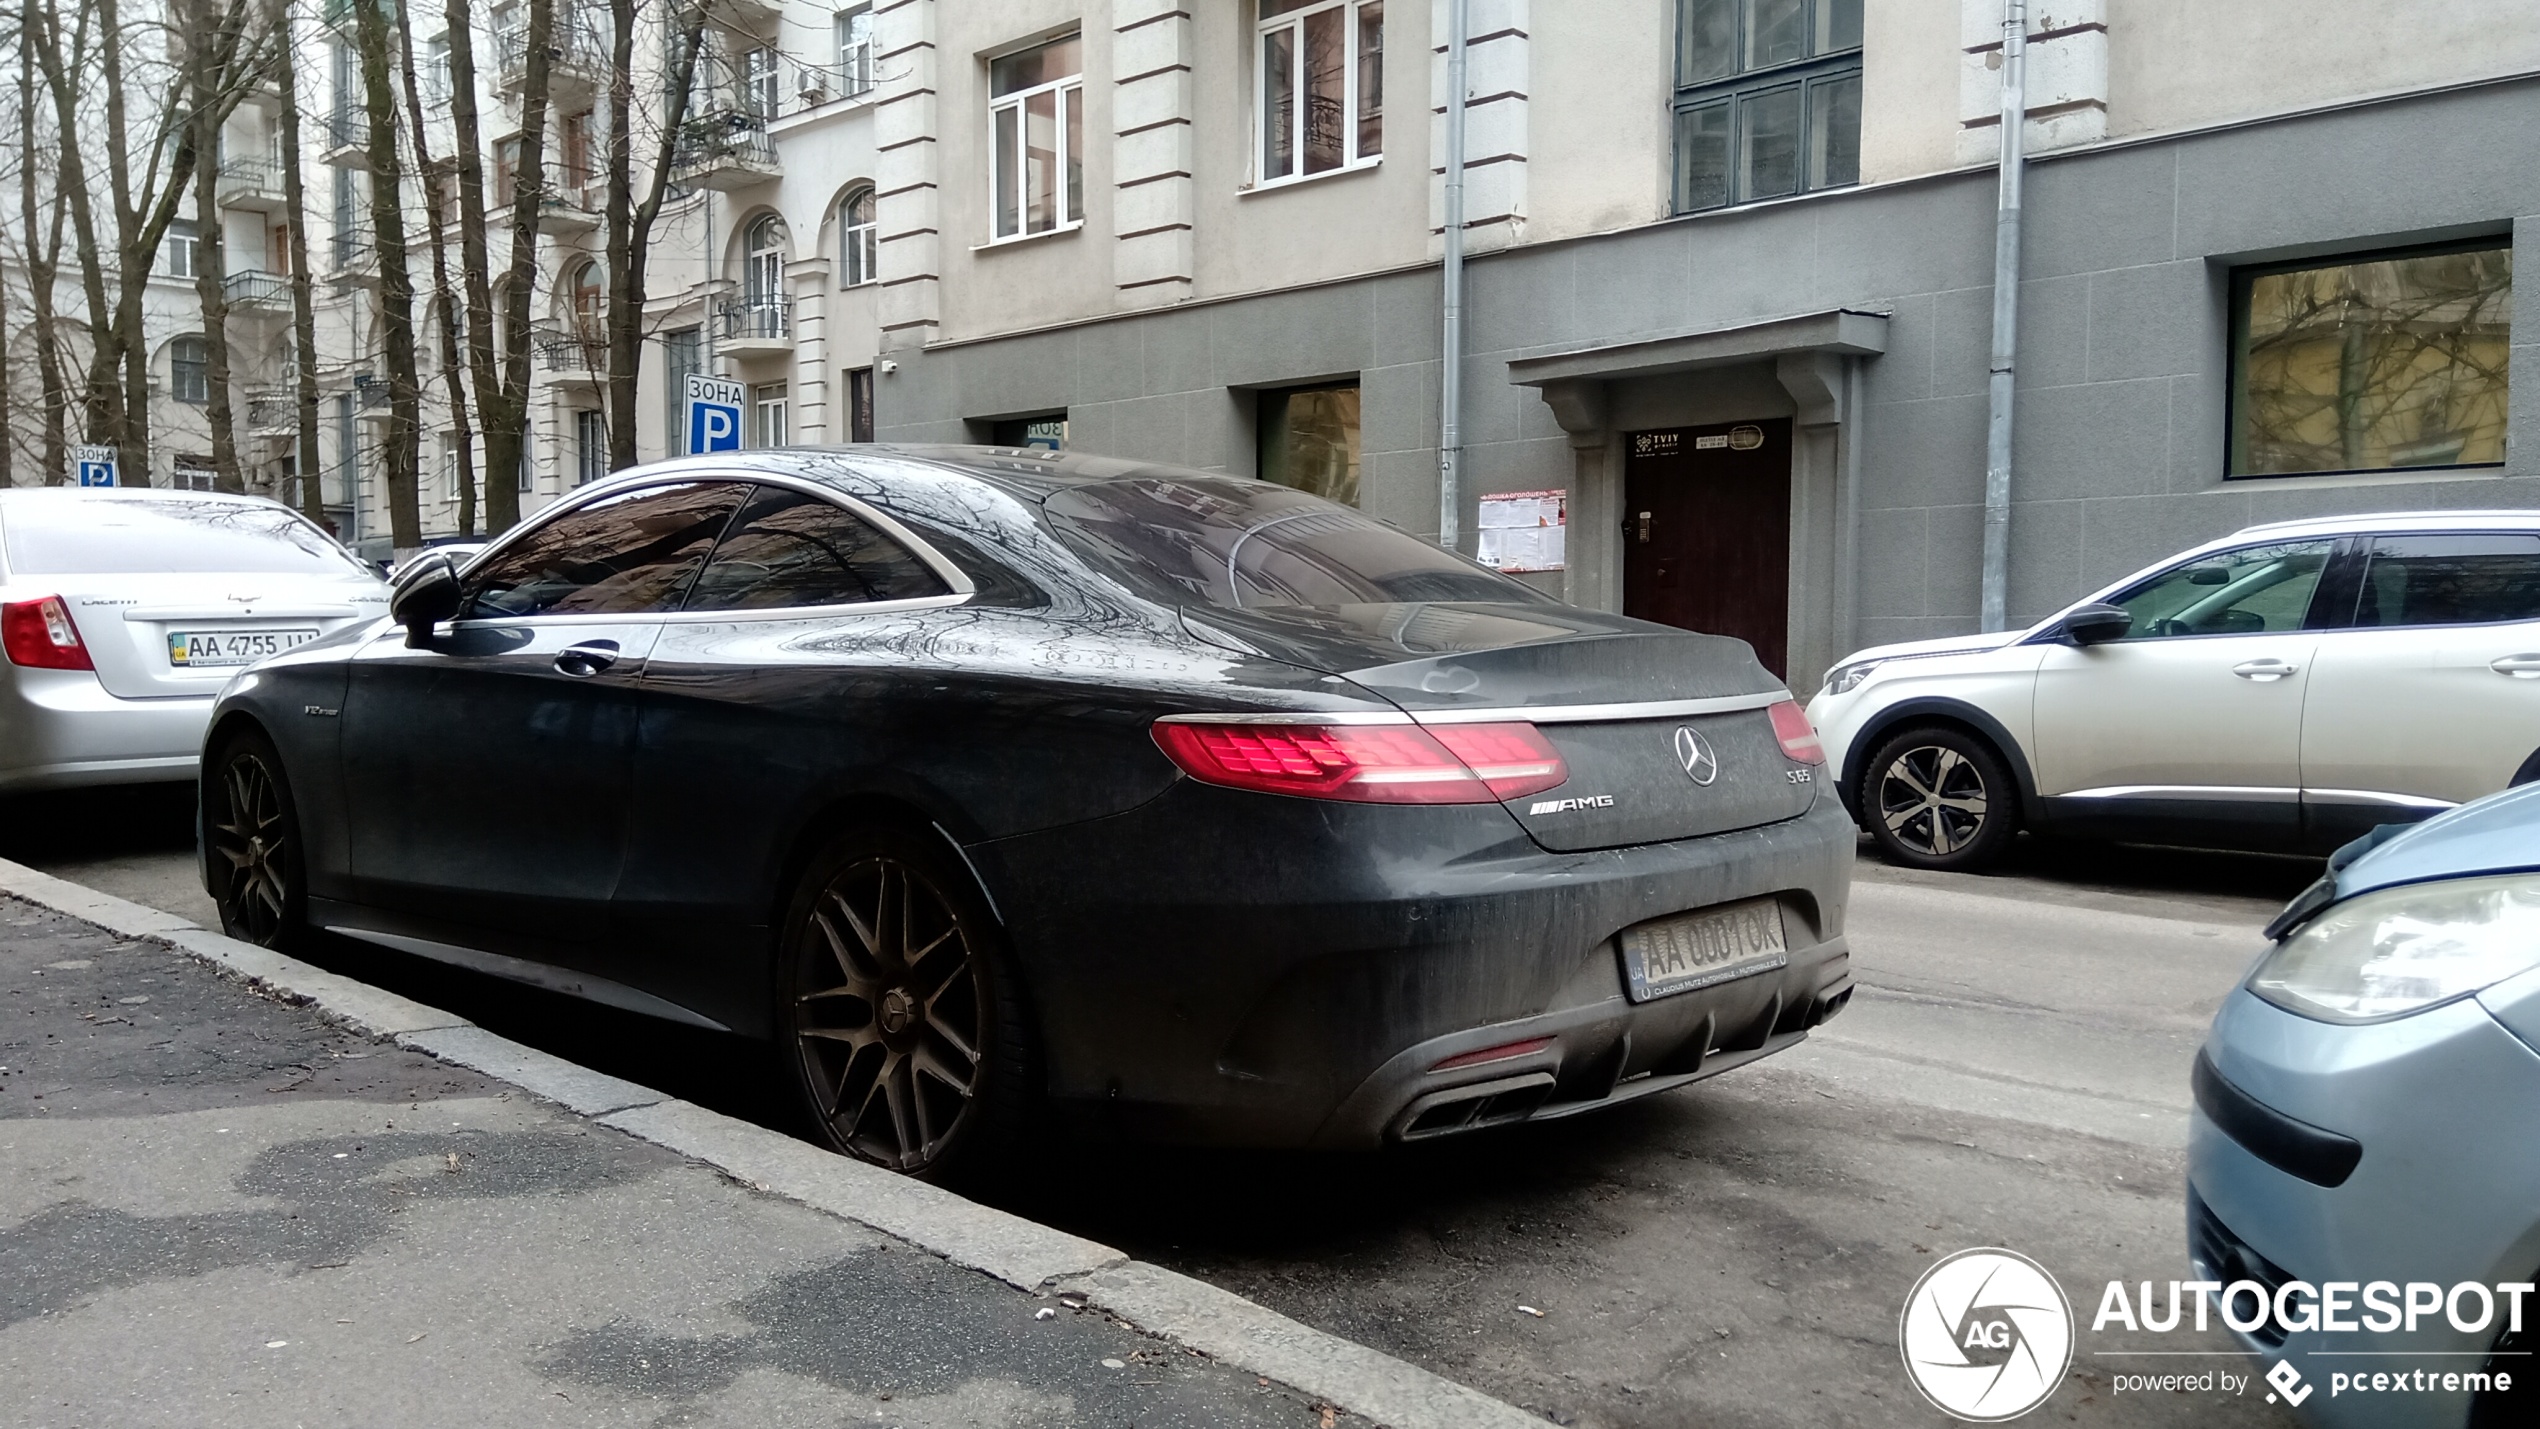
[207, 649]
[1704, 948]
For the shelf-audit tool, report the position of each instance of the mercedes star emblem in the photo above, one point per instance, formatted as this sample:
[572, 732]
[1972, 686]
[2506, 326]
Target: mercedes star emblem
[1694, 753]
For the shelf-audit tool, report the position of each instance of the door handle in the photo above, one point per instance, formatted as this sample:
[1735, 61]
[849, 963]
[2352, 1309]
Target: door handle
[2521, 667]
[2263, 671]
[587, 659]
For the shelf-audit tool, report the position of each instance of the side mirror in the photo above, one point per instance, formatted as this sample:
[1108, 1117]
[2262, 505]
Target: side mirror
[427, 593]
[2096, 623]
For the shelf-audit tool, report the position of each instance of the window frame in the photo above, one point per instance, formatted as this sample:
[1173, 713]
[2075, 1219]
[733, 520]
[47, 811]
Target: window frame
[1066, 91]
[1294, 21]
[907, 546]
[854, 53]
[564, 509]
[2332, 585]
[590, 458]
[771, 400]
[198, 393]
[2360, 555]
[859, 244]
[178, 250]
[1736, 89]
[2235, 356]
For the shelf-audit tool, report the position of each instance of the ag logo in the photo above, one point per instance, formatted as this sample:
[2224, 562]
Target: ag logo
[1986, 1335]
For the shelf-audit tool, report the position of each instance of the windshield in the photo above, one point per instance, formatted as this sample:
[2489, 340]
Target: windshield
[1202, 540]
[104, 535]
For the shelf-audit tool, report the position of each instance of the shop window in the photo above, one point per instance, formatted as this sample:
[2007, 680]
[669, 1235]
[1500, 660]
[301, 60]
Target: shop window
[1309, 440]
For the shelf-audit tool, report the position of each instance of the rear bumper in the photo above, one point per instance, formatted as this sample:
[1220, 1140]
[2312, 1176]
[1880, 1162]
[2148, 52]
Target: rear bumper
[60, 729]
[1252, 970]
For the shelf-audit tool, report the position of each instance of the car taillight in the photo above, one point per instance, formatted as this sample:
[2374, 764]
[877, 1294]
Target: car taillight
[39, 635]
[1798, 736]
[1368, 763]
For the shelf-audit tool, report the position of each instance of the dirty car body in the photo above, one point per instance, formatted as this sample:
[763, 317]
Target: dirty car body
[1300, 831]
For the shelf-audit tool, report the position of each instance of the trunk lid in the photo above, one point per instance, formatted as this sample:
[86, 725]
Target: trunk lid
[174, 636]
[1629, 704]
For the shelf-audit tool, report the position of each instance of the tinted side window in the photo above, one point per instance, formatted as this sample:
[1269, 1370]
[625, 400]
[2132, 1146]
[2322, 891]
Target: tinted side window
[791, 549]
[622, 556]
[2254, 590]
[2450, 580]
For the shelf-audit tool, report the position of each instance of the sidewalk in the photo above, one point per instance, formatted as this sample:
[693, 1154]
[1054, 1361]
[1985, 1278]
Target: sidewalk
[219, 1209]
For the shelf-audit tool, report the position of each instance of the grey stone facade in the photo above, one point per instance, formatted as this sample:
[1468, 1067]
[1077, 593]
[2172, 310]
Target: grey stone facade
[2123, 358]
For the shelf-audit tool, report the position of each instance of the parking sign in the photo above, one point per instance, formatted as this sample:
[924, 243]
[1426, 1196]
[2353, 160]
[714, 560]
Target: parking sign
[714, 414]
[93, 465]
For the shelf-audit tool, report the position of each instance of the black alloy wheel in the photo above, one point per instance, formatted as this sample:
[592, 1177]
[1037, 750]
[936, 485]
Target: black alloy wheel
[255, 843]
[907, 1044]
[1939, 798]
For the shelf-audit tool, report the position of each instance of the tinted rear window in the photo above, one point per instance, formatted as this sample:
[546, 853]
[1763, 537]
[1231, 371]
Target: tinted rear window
[105, 535]
[1200, 540]
[2450, 580]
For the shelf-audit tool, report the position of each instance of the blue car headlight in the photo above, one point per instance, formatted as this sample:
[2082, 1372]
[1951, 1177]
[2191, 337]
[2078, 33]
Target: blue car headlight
[2401, 950]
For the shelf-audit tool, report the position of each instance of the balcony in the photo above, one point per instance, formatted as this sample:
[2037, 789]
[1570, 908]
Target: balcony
[577, 60]
[254, 185]
[351, 262]
[370, 397]
[755, 327]
[572, 209]
[253, 290]
[725, 151]
[347, 139]
[273, 412]
[571, 357]
[744, 17]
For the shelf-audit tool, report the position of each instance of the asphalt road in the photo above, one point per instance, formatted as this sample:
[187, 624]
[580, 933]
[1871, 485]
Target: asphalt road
[2013, 1072]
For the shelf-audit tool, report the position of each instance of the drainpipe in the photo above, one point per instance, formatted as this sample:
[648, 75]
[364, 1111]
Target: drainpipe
[1451, 343]
[2006, 317]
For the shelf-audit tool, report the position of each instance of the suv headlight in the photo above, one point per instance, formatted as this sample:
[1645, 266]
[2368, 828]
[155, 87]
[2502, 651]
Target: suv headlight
[2401, 950]
[1841, 679]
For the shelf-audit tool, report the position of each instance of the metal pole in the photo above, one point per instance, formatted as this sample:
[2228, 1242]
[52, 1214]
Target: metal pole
[2006, 318]
[1451, 344]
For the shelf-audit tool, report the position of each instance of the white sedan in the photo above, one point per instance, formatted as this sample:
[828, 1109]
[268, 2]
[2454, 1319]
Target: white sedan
[123, 612]
[2286, 687]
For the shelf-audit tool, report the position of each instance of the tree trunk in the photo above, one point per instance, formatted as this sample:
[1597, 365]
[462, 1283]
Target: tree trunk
[630, 225]
[396, 283]
[101, 418]
[304, 463]
[205, 59]
[43, 263]
[440, 311]
[507, 411]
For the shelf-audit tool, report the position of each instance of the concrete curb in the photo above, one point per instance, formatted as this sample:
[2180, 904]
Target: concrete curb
[1348, 1376]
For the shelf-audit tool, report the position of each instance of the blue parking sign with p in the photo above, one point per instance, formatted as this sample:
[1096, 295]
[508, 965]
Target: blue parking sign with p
[714, 414]
[93, 465]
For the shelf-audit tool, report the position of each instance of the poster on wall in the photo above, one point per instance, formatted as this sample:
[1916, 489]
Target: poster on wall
[1523, 531]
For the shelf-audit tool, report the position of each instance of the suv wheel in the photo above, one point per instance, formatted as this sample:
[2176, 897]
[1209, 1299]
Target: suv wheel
[1938, 797]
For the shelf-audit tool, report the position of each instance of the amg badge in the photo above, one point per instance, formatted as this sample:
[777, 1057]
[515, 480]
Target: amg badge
[1563, 806]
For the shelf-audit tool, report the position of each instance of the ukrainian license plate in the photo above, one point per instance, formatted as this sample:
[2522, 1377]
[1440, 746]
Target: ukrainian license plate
[209, 649]
[1704, 949]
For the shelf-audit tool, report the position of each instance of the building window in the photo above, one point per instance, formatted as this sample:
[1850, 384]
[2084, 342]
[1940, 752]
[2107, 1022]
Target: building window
[436, 71]
[2395, 360]
[1036, 116]
[859, 404]
[683, 356]
[1309, 440]
[590, 447]
[178, 251]
[506, 171]
[589, 304]
[763, 264]
[855, 50]
[1044, 433]
[767, 415]
[1768, 99]
[1322, 85]
[189, 371]
[759, 92]
[859, 240]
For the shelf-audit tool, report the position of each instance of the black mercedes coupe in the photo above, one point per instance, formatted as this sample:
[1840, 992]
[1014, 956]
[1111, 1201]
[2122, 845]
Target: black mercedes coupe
[994, 786]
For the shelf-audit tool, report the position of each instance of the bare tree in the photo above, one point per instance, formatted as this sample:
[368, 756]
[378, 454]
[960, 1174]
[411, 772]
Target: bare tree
[220, 61]
[630, 224]
[304, 463]
[43, 265]
[443, 307]
[502, 391]
[396, 282]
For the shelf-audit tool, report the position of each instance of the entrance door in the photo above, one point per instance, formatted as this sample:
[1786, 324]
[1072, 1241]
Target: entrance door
[1706, 533]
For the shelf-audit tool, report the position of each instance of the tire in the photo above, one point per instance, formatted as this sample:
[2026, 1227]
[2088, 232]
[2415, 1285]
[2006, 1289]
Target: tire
[1939, 797]
[252, 832]
[900, 1019]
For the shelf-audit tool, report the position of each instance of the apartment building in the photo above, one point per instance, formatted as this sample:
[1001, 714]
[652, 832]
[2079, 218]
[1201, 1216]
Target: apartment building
[1729, 304]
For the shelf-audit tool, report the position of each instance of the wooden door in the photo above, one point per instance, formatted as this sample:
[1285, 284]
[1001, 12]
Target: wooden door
[1706, 532]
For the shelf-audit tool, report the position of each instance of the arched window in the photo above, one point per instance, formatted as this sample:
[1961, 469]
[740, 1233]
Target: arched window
[763, 281]
[189, 371]
[584, 292]
[859, 240]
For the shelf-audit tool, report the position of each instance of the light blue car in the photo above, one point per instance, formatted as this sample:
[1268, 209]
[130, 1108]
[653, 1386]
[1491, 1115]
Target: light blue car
[2368, 1125]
